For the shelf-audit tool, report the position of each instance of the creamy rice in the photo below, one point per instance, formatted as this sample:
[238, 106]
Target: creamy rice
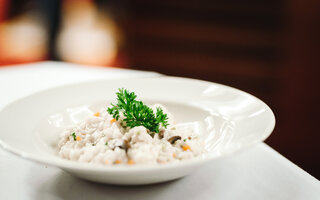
[101, 139]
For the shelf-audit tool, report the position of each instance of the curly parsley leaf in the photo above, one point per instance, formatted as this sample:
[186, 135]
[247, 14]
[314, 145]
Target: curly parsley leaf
[136, 113]
[74, 136]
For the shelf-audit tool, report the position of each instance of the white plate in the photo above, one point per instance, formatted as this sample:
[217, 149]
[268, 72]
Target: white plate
[226, 118]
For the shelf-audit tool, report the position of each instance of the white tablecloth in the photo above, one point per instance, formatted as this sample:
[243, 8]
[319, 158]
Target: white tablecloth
[257, 173]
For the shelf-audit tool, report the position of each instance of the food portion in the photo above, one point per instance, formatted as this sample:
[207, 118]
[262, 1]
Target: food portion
[130, 132]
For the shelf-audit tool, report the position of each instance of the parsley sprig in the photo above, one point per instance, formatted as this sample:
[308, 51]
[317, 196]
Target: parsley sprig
[136, 113]
[74, 136]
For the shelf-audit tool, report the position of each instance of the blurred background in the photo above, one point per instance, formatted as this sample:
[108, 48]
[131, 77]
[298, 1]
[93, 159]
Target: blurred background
[269, 48]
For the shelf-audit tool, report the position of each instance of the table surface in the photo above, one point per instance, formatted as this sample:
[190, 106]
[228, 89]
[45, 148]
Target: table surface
[256, 173]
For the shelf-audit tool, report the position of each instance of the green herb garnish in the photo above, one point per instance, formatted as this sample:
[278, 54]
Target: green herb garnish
[136, 113]
[74, 136]
[106, 143]
[93, 144]
[185, 140]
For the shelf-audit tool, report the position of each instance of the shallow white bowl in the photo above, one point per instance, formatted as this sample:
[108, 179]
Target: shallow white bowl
[226, 118]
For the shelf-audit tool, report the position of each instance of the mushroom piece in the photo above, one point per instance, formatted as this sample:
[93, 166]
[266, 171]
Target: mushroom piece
[125, 145]
[150, 133]
[173, 139]
[161, 133]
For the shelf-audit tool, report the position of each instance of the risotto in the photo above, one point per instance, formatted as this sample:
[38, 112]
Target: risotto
[103, 139]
